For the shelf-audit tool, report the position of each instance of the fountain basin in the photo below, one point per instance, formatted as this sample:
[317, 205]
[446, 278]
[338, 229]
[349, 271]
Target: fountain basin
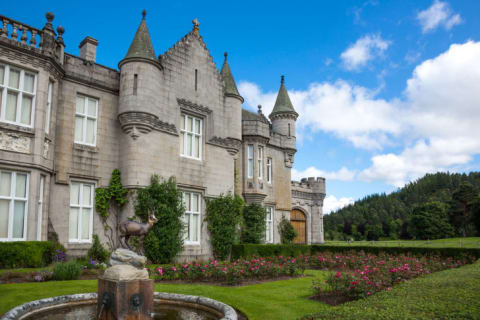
[168, 306]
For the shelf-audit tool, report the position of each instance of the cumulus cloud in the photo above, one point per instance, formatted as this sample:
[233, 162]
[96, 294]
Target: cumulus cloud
[343, 174]
[363, 50]
[331, 203]
[435, 120]
[438, 14]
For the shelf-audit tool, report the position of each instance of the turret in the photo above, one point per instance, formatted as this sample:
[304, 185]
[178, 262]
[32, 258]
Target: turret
[140, 75]
[233, 102]
[284, 116]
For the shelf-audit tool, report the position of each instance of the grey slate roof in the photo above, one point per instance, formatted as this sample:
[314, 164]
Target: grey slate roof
[141, 46]
[283, 103]
[230, 86]
[252, 116]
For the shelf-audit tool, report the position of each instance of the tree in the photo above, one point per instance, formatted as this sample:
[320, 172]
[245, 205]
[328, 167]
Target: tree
[253, 229]
[223, 217]
[430, 221]
[287, 231]
[461, 208]
[165, 240]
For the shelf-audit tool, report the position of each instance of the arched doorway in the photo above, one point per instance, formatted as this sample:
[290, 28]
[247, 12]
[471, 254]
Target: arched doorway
[299, 222]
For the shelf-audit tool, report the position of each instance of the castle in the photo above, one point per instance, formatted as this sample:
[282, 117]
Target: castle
[66, 122]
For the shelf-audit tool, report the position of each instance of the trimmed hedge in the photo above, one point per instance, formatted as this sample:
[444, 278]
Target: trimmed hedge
[294, 250]
[27, 254]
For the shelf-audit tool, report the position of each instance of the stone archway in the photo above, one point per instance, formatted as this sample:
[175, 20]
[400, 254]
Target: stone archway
[299, 222]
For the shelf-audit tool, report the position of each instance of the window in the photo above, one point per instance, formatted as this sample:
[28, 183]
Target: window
[40, 209]
[81, 212]
[17, 95]
[250, 161]
[289, 133]
[135, 84]
[192, 204]
[269, 170]
[86, 120]
[13, 205]
[260, 163]
[269, 225]
[196, 79]
[49, 107]
[191, 137]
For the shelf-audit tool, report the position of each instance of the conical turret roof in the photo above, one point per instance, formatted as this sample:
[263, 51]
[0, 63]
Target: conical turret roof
[141, 46]
[283, 103]
[230, 85]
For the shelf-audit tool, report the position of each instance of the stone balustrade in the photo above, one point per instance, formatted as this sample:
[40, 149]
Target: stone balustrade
[20, 32]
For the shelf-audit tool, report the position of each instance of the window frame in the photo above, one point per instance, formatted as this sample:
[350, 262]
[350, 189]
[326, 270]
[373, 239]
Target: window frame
[189, 214]
[5, 88]
[269, 231]
[85, 117]
[12, 198]
[250, 161]
[80, 207]
[269, 170]
[49, 106]
[40, 207]
[260, 162]
[184, 133]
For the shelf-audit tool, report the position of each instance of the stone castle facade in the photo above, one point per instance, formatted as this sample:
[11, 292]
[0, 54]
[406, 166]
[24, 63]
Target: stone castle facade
[66, 122]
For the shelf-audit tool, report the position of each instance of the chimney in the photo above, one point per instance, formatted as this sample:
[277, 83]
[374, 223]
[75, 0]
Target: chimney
[88, 49]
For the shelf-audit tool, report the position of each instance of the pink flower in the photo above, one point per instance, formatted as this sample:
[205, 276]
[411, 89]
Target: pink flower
[174, 269]
[160, 270]
[369, 293]
[338, 275]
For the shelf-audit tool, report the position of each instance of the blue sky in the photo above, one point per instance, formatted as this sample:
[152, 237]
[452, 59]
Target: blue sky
[386, 90]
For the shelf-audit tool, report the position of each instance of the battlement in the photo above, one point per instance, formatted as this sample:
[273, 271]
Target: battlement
[310, 185]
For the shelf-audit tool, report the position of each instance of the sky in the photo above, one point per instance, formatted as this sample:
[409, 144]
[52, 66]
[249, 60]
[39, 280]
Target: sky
[387, 91]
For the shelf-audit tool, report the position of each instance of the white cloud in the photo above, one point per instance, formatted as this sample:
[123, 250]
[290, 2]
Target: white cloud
[436, 120]
[363, 50]
[438, 14]
[331, 203]
[343, 174]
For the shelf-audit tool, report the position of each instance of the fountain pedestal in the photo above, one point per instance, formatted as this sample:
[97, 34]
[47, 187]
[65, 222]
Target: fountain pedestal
[125, 293]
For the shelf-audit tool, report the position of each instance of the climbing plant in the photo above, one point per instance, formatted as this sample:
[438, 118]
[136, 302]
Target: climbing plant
[223, 217]
[253, 229]
[287, 231]
[165, 240]
[110, 200]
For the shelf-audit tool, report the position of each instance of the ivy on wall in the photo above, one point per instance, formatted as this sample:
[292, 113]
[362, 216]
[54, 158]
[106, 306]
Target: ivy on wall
[111, 199]
[223, 216]
[253, 229]
[287, 231]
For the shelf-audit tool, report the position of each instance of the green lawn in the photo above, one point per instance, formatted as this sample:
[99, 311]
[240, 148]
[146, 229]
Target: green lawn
[440, 243]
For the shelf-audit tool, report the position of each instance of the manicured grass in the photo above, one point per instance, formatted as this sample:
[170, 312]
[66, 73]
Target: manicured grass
[473, 242]
[285, 299]
[449, 294]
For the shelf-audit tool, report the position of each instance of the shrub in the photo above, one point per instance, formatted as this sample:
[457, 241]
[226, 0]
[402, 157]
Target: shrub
[28, 254]
[223, 216]
[165, 240]
[67, 271]
[253, 230]
[269, 250]
[97, 252]
[287, 231]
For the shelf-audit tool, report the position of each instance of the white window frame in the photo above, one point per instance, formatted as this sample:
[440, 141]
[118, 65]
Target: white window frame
[40, 208]
[269, 170]
[189, 215]
[49, 107]
[185, 134]
[269, 224]
[85, 117]
[260, 162]
[4, 88]
[250, 162]
[12, 198]
[80, 207]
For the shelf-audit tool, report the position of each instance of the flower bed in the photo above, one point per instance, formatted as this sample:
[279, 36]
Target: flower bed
[360, 274]
[232, 272]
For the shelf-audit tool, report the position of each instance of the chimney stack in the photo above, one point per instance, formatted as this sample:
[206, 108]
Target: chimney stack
[88, 49]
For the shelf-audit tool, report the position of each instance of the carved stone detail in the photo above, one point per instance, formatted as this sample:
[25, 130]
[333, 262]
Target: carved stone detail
[232, 145]
[191, 106]
[137, 123]
[46, 146]
[14, 142]
[289, 158]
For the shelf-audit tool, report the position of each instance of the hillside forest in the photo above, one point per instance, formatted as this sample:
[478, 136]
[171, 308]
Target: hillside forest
[440, 205]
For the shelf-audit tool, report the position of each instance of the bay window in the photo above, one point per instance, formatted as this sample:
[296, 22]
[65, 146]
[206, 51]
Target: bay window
[250, 161]
[13, 205]
[260, 163]
[81, 212]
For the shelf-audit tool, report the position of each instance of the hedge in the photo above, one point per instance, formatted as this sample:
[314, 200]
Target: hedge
[27, 254]
[266, 250]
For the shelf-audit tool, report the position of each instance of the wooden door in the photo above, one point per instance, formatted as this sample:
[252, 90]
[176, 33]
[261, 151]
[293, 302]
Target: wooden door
[299, 222]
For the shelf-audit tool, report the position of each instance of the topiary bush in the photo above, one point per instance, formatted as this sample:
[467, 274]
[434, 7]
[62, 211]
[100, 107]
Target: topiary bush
[223, 217]
[287, 231]
[28, 254]
[67, 271]
[97, 252]
[165, 240]
[253, 229]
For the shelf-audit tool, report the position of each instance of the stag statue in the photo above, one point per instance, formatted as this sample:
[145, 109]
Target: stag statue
[132, 228]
